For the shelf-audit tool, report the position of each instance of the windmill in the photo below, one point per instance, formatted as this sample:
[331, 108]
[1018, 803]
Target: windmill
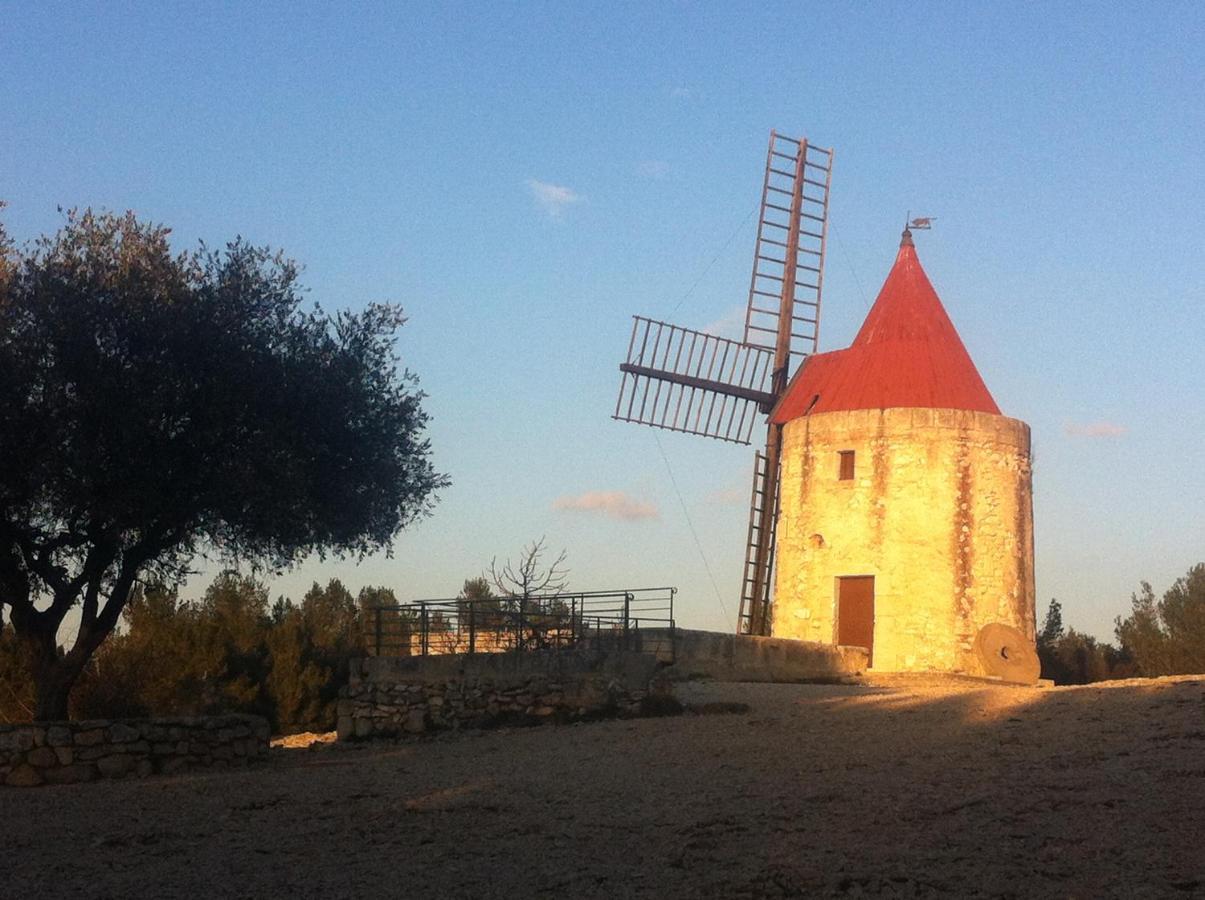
[700, 383]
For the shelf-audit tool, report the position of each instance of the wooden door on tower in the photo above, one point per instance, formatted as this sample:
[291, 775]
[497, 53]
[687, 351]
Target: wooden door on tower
[855, 613]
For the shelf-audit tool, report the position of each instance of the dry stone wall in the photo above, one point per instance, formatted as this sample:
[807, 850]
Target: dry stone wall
[67, 752]
[399, 696]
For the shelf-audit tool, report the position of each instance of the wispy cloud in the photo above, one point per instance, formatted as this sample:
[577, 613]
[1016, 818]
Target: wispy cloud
[1094, 429]
[681, 92]
[729, 325]
[612, 504]
[554, 199]
[653, 168]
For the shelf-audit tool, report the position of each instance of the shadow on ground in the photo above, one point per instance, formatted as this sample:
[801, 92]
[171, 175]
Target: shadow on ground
[902, 787]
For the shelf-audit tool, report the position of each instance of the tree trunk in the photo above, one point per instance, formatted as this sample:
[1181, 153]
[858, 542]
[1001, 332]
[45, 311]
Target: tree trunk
[53, 689]
[53, 677]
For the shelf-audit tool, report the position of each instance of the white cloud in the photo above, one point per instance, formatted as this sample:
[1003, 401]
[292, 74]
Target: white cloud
[1095, 429]
[612, 504]
[653, 168]
[730, 325]
[554, 199]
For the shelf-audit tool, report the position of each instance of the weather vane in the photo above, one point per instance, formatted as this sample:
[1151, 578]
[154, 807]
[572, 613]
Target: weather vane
[922, 223]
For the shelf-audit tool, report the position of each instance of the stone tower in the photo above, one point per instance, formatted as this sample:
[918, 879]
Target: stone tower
[906, 511]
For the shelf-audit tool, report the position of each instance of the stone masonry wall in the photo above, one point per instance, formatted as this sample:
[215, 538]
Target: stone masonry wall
[724, 656]
[67, 752]
[939, 512]
[389, 697]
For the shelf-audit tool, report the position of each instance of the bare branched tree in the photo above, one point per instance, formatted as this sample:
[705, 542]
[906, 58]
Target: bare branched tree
[530, 576]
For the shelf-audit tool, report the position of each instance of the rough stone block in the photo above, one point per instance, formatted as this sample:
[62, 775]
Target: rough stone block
[42, 757]
[16, 741]
[69, 774]
[90, 738]
[416, 722]
[114, 766]
[58, 736]
[120, 733]
[66, 755]
[23, 775]
[175, 765]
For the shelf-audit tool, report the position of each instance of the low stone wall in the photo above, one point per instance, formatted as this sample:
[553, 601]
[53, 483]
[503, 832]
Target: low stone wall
[387, 697]
[744, 657]
[66, 752]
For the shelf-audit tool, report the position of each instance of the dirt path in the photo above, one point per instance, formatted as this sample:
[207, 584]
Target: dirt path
[907, 787]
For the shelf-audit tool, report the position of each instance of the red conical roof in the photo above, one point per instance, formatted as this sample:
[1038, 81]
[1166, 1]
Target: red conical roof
[907, 354]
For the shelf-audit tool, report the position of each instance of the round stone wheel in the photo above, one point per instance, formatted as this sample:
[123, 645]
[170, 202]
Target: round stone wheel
[1007, 654]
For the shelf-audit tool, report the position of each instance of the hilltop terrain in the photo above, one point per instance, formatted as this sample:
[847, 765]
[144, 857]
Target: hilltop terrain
[907, 786]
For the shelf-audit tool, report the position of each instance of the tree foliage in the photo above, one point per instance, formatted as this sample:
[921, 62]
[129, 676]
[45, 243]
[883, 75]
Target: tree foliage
[476, 602]
[153, 405]
[1161, 636]
[1167, 636]
[228, 651]
[1071, 657]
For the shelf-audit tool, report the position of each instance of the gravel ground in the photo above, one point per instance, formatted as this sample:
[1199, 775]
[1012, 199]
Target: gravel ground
[902, 787]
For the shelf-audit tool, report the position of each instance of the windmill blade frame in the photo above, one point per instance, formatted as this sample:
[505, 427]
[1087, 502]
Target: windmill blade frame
[699, 383]
[788, 256]
[675, 378]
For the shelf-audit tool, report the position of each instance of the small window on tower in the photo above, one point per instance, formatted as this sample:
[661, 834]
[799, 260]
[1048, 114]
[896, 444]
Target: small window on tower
[847, 465]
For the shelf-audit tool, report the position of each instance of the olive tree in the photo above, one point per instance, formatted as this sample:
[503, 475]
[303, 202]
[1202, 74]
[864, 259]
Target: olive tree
[155, 405]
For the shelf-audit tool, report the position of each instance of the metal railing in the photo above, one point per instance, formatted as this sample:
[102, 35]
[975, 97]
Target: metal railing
[499, 625]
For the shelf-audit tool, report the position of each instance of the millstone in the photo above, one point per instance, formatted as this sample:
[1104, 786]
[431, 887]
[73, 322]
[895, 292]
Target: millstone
[1006, 654]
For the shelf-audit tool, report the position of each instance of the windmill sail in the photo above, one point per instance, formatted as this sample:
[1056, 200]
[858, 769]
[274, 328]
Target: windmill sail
[788, 259]
[755, 581]
[693, 382]
[702, 384]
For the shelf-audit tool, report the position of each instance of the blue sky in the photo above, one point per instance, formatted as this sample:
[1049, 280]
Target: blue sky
[524, 177]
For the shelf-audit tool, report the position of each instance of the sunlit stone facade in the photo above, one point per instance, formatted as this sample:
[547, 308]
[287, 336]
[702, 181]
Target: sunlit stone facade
[939, 511]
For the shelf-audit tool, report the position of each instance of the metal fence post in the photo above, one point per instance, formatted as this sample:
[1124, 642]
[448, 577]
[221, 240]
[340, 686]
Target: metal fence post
[554, 621]
[472, 626]
[423, 633]
[673, 635]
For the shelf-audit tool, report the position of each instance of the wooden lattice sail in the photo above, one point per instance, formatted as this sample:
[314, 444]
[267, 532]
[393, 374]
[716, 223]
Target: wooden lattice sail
[690, 381]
